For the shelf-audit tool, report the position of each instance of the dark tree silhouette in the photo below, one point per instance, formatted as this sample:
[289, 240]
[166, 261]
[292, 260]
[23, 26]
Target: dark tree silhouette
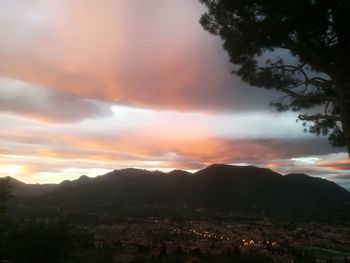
[314, 70]
[5, 193]
[27, 241]
[37, 242]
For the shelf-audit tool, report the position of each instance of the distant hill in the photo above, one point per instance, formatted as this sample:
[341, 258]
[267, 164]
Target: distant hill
[21, 189]
[223, 188]
[216, 185]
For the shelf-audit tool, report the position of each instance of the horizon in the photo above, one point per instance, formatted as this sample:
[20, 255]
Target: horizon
[167, 172]
[89, 87]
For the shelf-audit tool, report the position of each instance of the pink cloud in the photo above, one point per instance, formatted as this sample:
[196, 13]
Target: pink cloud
[152, 54]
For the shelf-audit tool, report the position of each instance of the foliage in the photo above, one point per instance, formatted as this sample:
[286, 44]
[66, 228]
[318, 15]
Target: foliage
[34, 241]
[5, 193]
[27, 241]
[299, 47]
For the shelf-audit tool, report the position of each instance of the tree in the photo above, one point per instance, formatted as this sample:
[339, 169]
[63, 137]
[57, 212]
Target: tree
[313, 71]
[38, 242]
[28, 241]
[5, 193]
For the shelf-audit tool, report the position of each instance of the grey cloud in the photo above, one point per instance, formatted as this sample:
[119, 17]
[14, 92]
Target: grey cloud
[47, 105]
[343, 177]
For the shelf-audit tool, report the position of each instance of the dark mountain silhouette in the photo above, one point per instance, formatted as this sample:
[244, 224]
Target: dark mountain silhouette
[258, 185]
[21, 189]
[217, 185]
[222, 189]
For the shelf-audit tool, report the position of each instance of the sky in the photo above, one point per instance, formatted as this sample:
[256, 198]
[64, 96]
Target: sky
[89, 86]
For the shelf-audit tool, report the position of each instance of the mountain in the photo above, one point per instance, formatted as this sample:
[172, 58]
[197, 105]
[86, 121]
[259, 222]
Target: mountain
[21, 189]
[216, 185]
[222, 188]
[249, 184]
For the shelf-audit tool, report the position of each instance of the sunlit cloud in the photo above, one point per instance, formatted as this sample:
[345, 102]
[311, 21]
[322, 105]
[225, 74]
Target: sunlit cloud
[10, 170]
[336, 164]
[146, 55]
[62, 151]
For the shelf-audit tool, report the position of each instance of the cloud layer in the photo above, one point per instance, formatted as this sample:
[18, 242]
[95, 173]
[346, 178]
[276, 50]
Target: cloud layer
[49, 106]
[154, 140]
[123, 52]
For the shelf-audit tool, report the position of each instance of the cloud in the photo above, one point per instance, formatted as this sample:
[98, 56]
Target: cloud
[151, 55]
[45, 152]
[336, 164]
[139, 146]
[343, 176]
[21, 98]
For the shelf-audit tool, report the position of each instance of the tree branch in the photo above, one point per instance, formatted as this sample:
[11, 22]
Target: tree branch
[300, 97]
[321, 82]
[317, 117]
[290, 68]
[316, 81]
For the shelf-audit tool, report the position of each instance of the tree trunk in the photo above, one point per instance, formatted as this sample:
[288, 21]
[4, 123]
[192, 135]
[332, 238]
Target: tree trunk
[346, 130]
[342, 69]
[344, 106]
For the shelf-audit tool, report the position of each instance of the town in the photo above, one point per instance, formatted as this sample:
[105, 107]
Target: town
[200, 240]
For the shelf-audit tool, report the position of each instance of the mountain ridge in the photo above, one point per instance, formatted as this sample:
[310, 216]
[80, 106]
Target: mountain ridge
[223, 189]
[19, 188]
[237, 181]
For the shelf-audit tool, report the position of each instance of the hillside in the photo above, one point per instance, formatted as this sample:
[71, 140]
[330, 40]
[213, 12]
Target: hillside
[19, 188]
[223, 188]
[215, 185]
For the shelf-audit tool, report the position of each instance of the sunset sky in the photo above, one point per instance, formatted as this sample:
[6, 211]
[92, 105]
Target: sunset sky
[89, 86]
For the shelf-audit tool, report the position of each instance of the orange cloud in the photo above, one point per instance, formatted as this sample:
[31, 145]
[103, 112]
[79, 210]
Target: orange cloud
[54, 152]
[335, 164]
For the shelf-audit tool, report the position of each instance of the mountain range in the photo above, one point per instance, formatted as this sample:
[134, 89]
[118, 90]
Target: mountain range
[216, 185]
[19, 188]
